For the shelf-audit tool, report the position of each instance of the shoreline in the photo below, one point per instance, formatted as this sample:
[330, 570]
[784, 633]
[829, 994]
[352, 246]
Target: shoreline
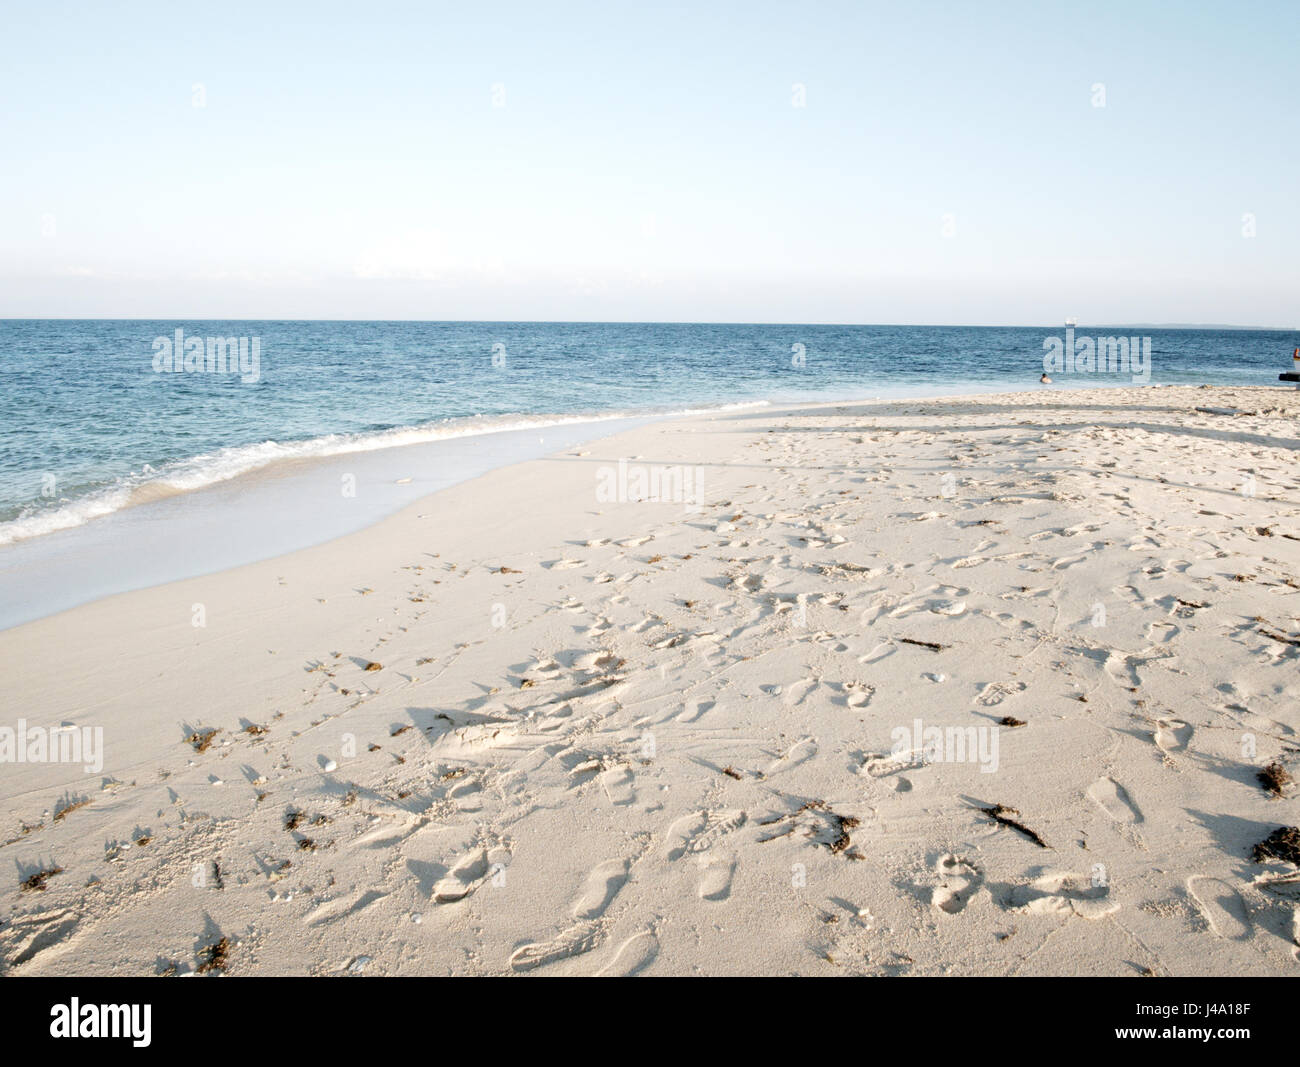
[181, 475]
[169, 513]
[524, 730]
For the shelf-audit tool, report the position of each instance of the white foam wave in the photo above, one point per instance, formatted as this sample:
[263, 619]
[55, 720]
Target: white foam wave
[221, 465]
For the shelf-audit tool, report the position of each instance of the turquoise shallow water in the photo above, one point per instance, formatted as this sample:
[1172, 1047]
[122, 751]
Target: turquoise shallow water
[92, 419]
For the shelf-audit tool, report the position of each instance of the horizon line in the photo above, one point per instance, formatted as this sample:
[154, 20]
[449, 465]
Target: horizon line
[661, 322]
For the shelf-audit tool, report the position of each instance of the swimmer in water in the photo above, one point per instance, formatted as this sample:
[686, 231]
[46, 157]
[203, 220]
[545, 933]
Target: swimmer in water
[1045, 379]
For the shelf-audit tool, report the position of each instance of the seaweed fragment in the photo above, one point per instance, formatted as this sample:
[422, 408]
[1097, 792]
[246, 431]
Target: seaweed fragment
[214, 957]
[1275, 778]
[1000, 813]
[35, 883]
[931, 645]
[1282, 844]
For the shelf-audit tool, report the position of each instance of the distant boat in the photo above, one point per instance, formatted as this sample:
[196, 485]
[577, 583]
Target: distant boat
[1071, 322]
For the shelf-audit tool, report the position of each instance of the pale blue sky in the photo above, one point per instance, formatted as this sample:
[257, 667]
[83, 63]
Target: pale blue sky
[648, 162]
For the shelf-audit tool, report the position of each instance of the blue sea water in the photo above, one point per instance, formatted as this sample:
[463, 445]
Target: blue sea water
[89, 426]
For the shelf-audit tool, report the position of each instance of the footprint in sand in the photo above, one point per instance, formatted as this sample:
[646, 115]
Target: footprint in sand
[682, 832]
[1172, 735]
[633, 956]
[619, 783]
[342, 908]
[1123, 669]
[602, 661]
[1063, 892]
[797, 692]
[996, 692]
[1222, 907]
[698, 712]
[1162, 632]
[878, 653]
[858, 694]
[577, 939]
[383, 835]
[959, 879]
[1010, 622]
[699, 830]
[883, 764]
[470, 873]
[1114, 800]
[716, 872]
[601, 887]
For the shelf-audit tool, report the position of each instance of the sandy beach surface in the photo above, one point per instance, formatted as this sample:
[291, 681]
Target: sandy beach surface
[955, 686]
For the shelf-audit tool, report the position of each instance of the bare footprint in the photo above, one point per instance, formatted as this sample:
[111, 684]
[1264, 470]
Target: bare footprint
[1114, 800]
[858, 694]
[959, 881]
[716, 872]
[618, 783]
[996, 692]
[1222, 907]
[1172, 735]
[601, 887]
[1063, 893]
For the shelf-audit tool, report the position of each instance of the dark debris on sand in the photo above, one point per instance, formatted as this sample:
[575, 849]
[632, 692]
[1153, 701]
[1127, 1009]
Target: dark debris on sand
[214, 957]
[1276, 779]
[1000, 813]
[202, 739]
[1282, 844]
[35, 883]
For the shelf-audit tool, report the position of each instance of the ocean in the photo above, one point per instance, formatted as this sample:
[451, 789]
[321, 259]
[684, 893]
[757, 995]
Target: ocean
[87, 425]
[125, 420]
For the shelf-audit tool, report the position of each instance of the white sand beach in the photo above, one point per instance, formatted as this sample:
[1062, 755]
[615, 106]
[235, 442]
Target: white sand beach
[531, 724]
